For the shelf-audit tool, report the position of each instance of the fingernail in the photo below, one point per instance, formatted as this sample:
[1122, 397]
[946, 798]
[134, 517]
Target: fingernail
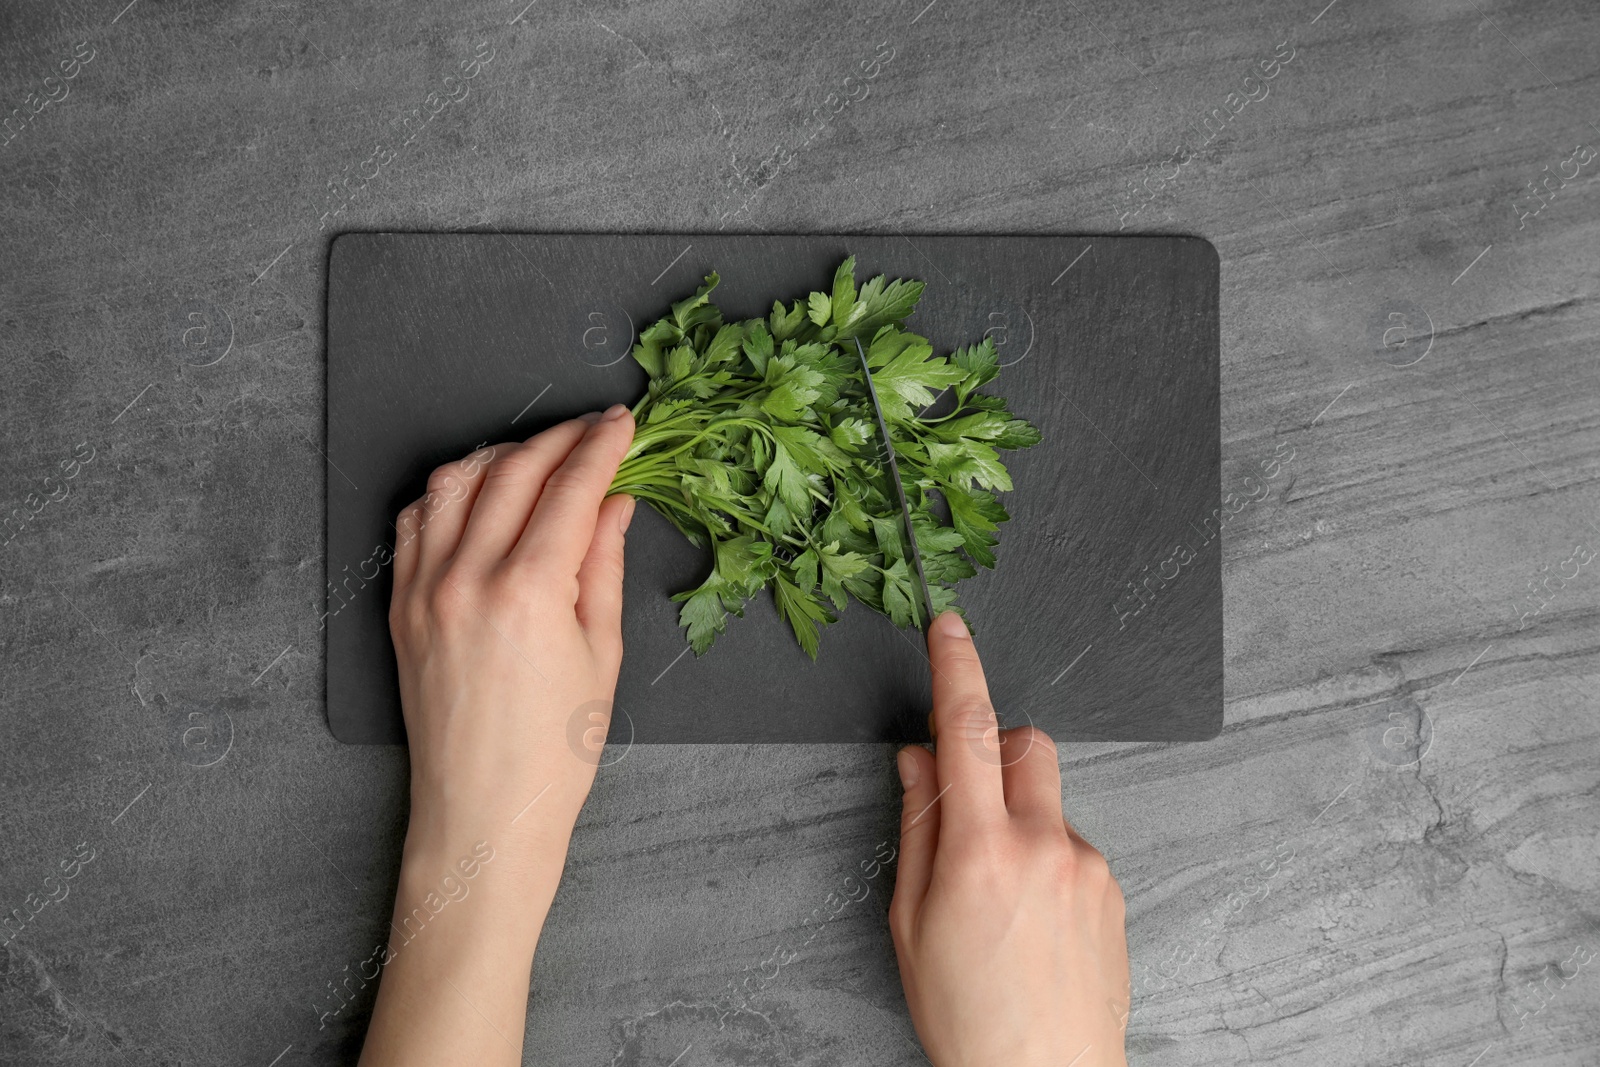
[615, 411]
[591, 417]
[627, 514]
[951, 624]
[908, 769]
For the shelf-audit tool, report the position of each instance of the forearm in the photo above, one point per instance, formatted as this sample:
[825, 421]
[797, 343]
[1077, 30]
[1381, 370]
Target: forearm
[455, 983]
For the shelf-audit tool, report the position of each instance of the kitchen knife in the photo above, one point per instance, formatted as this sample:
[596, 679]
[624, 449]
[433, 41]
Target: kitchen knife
[926, 606]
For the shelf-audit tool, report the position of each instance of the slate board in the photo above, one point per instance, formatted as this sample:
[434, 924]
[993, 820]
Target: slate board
[439, 342]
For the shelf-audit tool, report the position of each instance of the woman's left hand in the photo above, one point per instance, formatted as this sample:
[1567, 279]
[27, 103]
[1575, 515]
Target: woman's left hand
[507, 626]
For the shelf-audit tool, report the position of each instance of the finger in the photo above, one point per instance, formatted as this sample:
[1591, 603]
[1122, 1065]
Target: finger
[443, 512]
[1032, 777]
[563, 522]
[966, 733]
[599, 606]
[406, 526]
[919, 825]
[512, 482]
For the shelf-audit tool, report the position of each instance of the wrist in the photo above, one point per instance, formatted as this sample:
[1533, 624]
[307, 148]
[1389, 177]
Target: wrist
[531, 827]
[472, 888]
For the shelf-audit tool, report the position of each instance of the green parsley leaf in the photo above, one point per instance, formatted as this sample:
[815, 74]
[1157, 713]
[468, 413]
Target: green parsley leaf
[694, 310]
[844, 293]
[881, 305]
[910, 378]
[979, 363]
[758, 346]
[758, 439]
[820, 308]
[805, 615]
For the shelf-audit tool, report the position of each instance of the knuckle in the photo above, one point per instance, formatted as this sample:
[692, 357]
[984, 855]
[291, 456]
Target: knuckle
[446, 609]
[450, 600]
[1020, 743]
[566, 589]
[915, 816]
[1027, 738]
[512, 465]
[526, 574]
[961, 660]
[519, 572]
[479, 459]
[568, 478]
[971, 717]
[406, 526]
[1091, 865]
[432, 502]
[979, 857]
[406, 533]
[445, 480]
[402, 617]
[1061, 859]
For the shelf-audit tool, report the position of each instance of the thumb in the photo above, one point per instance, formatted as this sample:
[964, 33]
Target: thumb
[919, 828]
[599, 607]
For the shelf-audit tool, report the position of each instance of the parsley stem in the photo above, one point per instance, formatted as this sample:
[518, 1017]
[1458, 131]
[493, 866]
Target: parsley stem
[647, 439]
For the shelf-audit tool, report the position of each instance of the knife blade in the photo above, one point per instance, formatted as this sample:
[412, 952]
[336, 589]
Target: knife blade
[899, 488]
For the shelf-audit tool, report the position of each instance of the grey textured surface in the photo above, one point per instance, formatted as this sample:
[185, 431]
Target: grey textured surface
[439, 343]
[1377, 590]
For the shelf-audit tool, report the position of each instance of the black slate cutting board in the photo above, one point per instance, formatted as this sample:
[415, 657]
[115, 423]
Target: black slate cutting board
[439, 342]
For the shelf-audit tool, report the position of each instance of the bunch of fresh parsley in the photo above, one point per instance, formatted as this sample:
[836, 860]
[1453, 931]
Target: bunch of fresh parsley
[758, 439]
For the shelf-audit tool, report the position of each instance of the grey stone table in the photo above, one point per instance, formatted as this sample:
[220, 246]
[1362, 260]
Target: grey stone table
[1390, 855]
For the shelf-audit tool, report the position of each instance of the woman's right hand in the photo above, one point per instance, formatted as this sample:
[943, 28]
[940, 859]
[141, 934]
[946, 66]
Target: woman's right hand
[1008, 925]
